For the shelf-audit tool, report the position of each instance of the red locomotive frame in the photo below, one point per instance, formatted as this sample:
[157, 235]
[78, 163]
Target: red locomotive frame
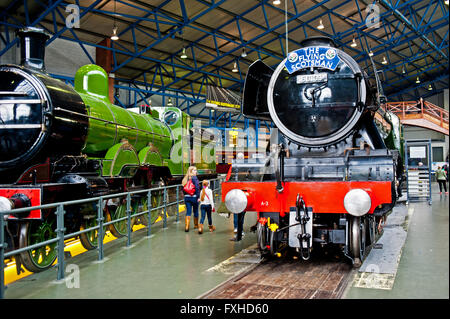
[34, 194]
[322, 197]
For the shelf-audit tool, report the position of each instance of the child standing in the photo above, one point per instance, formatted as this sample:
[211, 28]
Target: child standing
[206, 206]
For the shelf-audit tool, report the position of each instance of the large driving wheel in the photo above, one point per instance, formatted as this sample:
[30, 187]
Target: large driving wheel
[89, 240]
[42, 258]
[157, 199]
[118, 229]
[154, 214]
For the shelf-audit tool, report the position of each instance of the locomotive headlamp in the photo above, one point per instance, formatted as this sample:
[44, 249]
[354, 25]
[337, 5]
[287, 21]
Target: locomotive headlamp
[236, 201]
[357, 202]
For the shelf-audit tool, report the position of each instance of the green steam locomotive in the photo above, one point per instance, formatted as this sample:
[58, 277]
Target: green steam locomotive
[60, 143]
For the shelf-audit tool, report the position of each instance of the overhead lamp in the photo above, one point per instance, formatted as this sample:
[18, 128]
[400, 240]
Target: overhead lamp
[114, 36]
[384, 60]
[243, 54]
[183, 55]
[235, 69]
[430, 88]
[417, 80]
[403, 70]
[353, 44]
[370, 53]
[446, 2]
[276, 2]
[320, 26]
[169, 102]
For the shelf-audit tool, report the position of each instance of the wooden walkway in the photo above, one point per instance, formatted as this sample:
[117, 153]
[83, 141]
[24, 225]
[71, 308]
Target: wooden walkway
[420, 113]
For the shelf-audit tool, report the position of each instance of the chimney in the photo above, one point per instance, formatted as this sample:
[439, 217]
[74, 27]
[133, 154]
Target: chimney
[32, 47]
[318, 40]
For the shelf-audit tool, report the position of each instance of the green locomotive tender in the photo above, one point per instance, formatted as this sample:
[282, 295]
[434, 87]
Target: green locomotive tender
[60, 143]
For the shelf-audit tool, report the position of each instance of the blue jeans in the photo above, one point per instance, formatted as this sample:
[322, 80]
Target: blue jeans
[206, 210]
[191, 204]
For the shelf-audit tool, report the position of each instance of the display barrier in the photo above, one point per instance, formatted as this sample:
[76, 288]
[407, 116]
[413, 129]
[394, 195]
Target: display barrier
[60, 229]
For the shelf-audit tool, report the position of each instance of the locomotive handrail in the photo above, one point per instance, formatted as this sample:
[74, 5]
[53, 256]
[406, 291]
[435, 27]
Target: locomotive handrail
[60, 237]
[110, 122]
[17, 101]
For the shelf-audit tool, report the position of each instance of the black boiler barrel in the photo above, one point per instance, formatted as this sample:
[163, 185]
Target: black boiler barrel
[317, 95]
[40, 117]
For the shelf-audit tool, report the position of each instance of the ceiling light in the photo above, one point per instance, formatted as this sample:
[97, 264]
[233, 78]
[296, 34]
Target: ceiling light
[169, 102]
[430, 88]
[114, 36]
[243, 54]
[183, 55]
[417, 80]
[370, 53]
[353, 44]
[384, 60]
[235, 69]
[320, 26]
[403, 70]
[276, 2]
[446, 2]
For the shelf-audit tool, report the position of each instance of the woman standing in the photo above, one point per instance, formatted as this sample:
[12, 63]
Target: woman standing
[191, 199]
[206, 206]
[441, 178]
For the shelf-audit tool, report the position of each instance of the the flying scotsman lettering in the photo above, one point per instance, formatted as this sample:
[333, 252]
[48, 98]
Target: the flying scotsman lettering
[323, 57]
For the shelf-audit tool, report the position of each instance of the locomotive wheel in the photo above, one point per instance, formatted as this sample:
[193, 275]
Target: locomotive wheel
[357, 240]
[119, 229]
[371, 230]
[32, 233]
[261, 235]
[157, 200]
[89, 240]
[143, 219]
[273, 243]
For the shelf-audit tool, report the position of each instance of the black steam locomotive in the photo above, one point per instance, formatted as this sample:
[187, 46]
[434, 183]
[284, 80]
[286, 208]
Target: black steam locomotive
[331, 175]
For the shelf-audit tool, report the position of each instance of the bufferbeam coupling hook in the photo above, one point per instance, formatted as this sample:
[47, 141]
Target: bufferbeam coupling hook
[302, 217]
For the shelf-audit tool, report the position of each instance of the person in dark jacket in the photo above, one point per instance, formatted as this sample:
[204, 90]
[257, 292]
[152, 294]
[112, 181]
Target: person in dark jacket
[191, 201]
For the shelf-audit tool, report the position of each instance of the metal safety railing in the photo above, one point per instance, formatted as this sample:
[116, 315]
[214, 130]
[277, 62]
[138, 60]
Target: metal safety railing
[410, 112]
[100, 227]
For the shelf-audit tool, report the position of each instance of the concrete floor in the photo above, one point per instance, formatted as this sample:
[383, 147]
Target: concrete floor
[169, 264]
[173, 264]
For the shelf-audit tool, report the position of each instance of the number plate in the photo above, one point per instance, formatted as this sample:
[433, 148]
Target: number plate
[312, 78]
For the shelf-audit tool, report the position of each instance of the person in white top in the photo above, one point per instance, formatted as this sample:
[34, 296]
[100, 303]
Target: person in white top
[206, 206]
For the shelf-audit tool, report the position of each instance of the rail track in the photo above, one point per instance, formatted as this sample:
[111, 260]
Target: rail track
[322, 277]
